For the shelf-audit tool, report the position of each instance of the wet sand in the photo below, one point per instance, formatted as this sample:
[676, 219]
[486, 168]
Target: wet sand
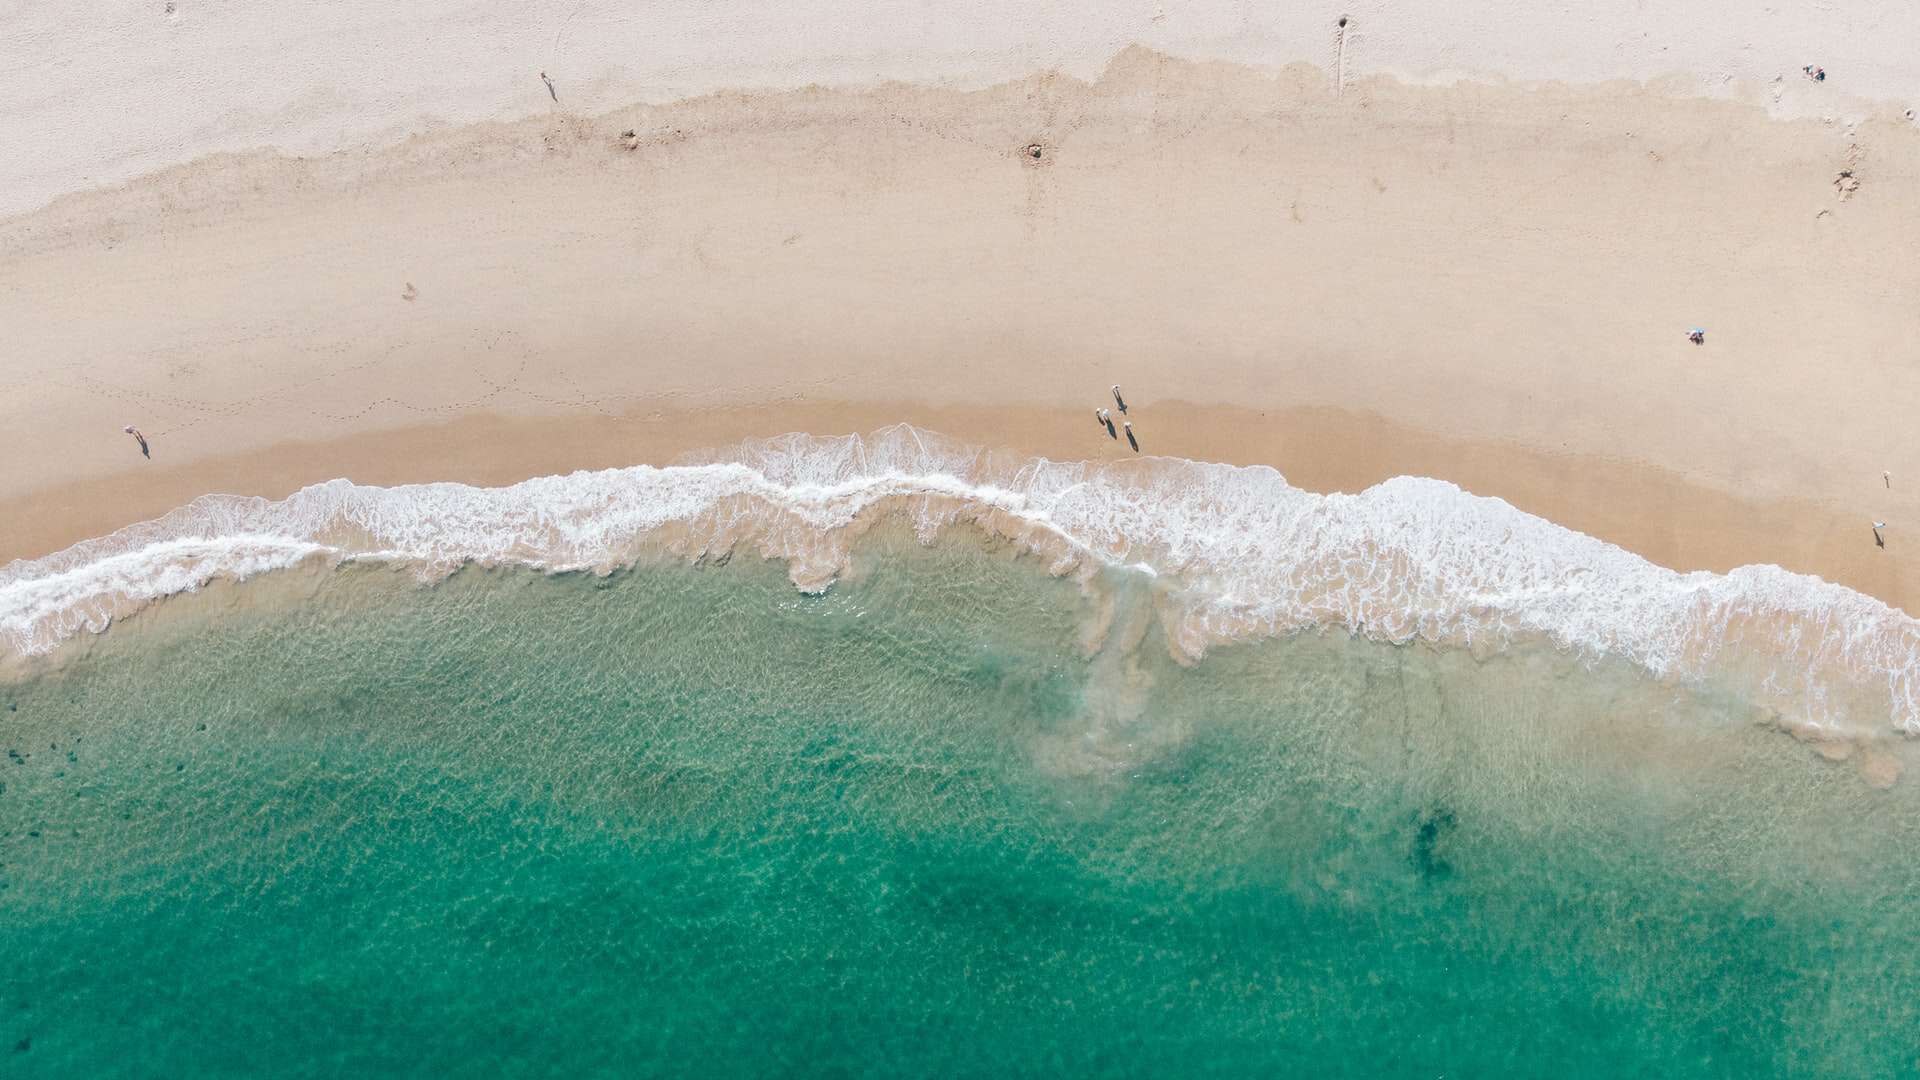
[1486, 284]
[1646, 509]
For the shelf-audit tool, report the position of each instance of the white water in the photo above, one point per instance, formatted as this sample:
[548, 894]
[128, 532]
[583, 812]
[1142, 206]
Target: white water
[1242, 555]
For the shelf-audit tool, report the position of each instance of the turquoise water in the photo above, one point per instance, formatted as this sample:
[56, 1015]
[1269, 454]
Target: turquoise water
[686, 819]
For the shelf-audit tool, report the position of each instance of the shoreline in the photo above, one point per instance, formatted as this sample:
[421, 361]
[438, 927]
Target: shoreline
[595, 502]
[1481, 284]
[1642, 508]
[1237, 555]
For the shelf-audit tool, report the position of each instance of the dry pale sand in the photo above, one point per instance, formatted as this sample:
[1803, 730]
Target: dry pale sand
[1488, 284]
[103, 93]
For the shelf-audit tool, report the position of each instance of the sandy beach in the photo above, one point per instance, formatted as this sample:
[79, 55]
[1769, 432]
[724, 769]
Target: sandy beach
[602, 504]
[1346, 279]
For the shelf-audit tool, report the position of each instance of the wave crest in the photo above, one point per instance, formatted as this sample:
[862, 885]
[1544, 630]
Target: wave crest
[1244, 555]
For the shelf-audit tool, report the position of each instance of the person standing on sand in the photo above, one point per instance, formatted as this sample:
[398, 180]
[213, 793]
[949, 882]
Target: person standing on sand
[141, 439]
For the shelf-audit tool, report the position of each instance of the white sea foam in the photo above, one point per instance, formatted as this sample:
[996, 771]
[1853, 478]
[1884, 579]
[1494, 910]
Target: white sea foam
[1242, 555]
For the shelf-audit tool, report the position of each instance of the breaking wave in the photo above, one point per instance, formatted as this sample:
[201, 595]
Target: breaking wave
[1239, 553]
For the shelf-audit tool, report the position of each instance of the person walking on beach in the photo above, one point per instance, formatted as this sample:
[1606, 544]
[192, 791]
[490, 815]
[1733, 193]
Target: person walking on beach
[1118, 400]
[1106, 421]
[141, 439]
[1877, 526]
[551, 92]
[1131, 441]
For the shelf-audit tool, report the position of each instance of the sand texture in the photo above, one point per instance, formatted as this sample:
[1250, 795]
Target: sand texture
[1347, 279]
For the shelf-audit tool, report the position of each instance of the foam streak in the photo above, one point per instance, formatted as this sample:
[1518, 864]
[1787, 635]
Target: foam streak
[1244, 555]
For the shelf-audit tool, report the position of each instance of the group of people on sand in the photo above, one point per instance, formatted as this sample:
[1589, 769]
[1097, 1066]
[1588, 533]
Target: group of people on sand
[1105, 417]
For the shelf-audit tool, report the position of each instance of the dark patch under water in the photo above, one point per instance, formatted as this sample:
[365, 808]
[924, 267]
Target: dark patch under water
[690, 821]
[1433, 826]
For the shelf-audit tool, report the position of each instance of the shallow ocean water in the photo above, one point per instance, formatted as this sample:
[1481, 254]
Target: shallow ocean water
[686, 818]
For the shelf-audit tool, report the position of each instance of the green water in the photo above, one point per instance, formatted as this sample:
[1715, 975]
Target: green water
[688, 820]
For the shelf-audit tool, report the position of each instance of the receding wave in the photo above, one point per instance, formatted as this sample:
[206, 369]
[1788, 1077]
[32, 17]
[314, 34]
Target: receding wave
[1239, 553]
